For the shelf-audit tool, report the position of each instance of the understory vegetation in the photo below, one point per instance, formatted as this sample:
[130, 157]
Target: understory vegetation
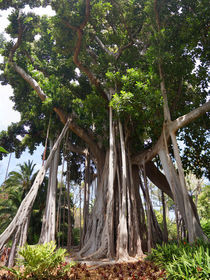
[183, 260]
[167, 261]
[43, 262]
[40, 262]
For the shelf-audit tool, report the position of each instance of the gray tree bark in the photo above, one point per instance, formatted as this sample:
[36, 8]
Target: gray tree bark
[122, 242]
[49, 217]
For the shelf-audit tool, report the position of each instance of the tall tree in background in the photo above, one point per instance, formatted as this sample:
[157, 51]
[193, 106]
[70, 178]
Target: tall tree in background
[24, 177]
[135, 90]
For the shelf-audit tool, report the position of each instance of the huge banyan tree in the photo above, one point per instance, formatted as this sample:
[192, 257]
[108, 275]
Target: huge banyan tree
[131, 79]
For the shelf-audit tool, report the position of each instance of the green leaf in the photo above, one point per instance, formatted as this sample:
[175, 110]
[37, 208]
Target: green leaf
[3, 150]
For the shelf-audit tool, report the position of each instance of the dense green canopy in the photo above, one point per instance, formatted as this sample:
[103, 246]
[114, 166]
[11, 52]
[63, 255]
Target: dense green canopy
[115, 44]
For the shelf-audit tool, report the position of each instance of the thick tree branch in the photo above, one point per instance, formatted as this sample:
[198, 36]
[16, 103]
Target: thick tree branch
[149, 154]
[169, 128]
[157, 178]
[104, 48]
[62, 115]
[30, 81]
[167, 115]
[191, 116]
[157, 15]
[93, 80]
[87, 15]
[79, 30]
[118, 53]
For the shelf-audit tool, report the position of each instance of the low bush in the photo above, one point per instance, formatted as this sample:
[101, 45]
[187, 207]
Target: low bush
[40, 262]
[205, 224]
[186, 261]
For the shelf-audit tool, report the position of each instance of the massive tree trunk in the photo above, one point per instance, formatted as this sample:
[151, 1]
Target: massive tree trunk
[48, 221]
[19, 225]
[116, 224]
[101, 226]
[93, 237]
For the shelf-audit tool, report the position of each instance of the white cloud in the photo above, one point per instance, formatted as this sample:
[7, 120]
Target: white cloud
[4, 22]
[7, 114]
[41, 11]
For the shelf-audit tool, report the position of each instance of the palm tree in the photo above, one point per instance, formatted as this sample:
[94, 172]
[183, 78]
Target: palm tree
[9, 203]
[14, 190]
[24, 177]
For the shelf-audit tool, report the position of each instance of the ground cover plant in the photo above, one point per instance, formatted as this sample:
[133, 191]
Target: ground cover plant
[183, 261]
[40, 261]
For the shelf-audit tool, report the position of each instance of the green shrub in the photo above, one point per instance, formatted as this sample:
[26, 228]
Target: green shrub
[185, 261]
[205, 224]
[191, 265]
[41, 262]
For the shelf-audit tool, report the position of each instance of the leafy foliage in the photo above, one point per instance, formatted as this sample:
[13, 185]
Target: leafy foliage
[2, 150]
[41, 262]
[10, 200]
[14, 190]
[186, 261]
[124, 29]
[203, 203]
[205, 224]
[24, 177]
